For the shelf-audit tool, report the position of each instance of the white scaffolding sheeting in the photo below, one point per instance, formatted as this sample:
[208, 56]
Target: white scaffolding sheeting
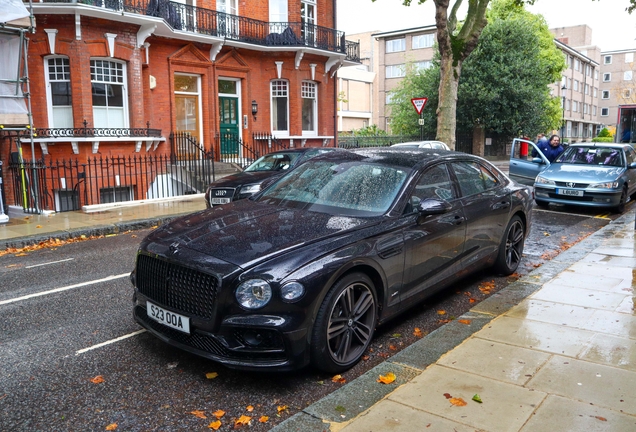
[13, 10]
[13, 107]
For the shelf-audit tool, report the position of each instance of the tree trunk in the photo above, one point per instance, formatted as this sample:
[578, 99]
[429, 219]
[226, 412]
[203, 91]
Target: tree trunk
[447, 107]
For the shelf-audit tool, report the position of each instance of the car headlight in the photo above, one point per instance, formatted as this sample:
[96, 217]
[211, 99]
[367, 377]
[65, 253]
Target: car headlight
[292, 291]
[606, 185]
[250, 189]
[543, 180]
[253, 294]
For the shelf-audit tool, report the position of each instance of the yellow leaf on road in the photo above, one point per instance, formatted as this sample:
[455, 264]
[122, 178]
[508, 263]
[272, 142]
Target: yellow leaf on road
[215, 425]
[263, 419]
[441, 312]
[211, 375]
[97, 380]
[111, 427]
[198, 413]
[457, 401]
[249, 408]
[218, 413]
[282, 408]
[243, 420]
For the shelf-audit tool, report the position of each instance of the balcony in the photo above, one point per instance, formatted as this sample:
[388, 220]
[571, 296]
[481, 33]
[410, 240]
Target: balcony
[211, 26]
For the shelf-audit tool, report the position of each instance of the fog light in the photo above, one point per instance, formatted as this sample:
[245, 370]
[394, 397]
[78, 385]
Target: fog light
[252, 338]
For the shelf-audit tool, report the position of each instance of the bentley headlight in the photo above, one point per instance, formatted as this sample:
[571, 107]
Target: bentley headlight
[292, 291]
[606, 185]
[250, 189]
[545, 181]
[253, 294]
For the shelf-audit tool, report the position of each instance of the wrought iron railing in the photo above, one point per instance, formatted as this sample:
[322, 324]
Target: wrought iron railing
[86, 132]
[214, 23]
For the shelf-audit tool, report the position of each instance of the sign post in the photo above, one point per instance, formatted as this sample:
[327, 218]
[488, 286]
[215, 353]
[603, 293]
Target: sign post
[419, 104]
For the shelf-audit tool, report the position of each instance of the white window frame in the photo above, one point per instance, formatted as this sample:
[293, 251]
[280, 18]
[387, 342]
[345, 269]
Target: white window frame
[629, 57]
[627, 93]
[125, 121]
[58, 111]
[577, 64]
[607, 77]
[605, 94]
[395, 71]
[395, 45]
[628, 75]
[279, 88]
[309, 92]
[278, 11]
[607, 59]
[422, 65]
[576, 85]
[388, 98]
[423, 41]
[309, 19]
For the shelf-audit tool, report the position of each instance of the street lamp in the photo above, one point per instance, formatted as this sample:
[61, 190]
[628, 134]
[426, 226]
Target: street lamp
[563, 89]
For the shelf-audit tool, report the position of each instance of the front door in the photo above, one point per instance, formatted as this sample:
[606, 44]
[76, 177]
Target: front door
[229, 125]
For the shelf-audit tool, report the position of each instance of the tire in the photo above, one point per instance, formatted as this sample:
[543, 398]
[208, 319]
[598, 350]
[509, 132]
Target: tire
[511, 247]
[541, 204]
[345, 324]
[620, 208]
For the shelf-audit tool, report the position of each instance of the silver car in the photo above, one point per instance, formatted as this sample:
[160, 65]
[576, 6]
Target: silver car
[589, 174]
[435, 145]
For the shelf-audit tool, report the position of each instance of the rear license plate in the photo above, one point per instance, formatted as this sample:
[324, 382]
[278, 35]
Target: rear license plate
[570, 192]
[219, 200]
[165, 317]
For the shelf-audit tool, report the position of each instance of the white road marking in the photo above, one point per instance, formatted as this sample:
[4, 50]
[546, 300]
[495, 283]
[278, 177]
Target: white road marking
[99, 345]
[66, 288]
[48, 263]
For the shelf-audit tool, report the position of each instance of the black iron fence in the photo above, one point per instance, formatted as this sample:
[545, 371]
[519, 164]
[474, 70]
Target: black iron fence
[373, 141]
[214, 23]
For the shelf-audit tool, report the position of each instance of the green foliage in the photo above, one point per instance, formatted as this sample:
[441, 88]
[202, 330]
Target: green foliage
[604, 133]
[601, 139]
[371, 130]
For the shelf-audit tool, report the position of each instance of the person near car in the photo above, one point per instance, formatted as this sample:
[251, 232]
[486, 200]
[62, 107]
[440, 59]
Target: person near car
[550, 148]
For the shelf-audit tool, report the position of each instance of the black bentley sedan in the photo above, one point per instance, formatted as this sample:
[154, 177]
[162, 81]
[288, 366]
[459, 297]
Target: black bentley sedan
[304, 271]
[266, 168]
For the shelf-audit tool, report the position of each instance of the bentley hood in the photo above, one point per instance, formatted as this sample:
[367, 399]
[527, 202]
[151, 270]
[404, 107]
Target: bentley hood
[245, 232]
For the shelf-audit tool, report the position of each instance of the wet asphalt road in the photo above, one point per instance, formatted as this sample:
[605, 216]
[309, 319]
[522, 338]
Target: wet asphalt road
[49, 350]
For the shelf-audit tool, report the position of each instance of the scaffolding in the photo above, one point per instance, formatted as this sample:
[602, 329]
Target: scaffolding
[16, 22]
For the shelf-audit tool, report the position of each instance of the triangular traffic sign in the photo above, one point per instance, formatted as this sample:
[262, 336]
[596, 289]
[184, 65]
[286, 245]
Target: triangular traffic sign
[419, 104]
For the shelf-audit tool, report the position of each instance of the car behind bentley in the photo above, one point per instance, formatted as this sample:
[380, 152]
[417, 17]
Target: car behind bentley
[304, 271]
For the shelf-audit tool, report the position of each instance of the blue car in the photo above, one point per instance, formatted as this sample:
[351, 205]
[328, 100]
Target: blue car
[585, 174]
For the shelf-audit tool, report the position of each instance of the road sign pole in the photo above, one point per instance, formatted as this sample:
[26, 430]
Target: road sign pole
[421, 127]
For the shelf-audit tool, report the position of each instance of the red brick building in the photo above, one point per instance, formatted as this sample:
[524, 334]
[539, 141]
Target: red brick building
[121, 78]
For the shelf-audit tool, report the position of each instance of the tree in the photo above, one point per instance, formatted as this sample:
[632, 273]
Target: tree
[504, 85]
[455, 45]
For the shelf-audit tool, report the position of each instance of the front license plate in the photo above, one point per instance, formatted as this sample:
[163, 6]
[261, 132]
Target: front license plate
[165, 317]
[219, 200]
[570, 192]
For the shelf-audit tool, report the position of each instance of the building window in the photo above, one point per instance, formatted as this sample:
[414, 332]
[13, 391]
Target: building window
[629, 57]
[594, 110]
[595, 74]
[627, 93]
[575, 106]
[605, 94]
[587, 89]
[576, 85]
[308, 21]
[627, 75]
[423, 41]
[607, 59]
[395, 71]
[58, 88]
[278, 13]
[577, 65]
[604, 112]
[280, 106]
[568, 130]
[607, 77]
[422, 65]
[595, 92]
[395, 45]
[108, 85]
[388, 99]
[310, 101]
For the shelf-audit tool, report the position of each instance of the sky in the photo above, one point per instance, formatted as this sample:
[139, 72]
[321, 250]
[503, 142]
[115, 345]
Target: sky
[612, 27]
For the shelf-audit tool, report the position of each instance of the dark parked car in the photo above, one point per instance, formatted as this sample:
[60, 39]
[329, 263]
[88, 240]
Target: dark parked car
[304, 271]
[591, 175]
[269, 167]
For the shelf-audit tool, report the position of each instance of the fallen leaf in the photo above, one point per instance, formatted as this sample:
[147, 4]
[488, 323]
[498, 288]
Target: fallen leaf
[457, 401]
[600, 418]
[263, 419]
[281, 408]
[215, 425]
[464, 321]
[249, 408]
[218, 413]
[441, 312]
[396, 335]
[38, 226]
[111, 427]
[477, 399]
[97, 380]
[338, 379]
[242, 421]
[392, 348]
[471, 300]
[546, 234]
[444, 321]
[198, 413]
[365, 358]
[387, 379]
[447, 396]
[211, 375]
[417, 332]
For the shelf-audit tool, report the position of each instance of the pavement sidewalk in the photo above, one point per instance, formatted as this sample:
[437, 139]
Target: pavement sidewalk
[554, 351]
